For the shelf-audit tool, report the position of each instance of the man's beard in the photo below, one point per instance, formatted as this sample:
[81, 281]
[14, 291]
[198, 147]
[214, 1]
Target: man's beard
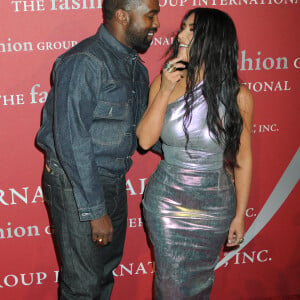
[138, 40]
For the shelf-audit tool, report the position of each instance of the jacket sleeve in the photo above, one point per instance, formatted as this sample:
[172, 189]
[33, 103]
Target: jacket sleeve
[76, 86]
[157, 147]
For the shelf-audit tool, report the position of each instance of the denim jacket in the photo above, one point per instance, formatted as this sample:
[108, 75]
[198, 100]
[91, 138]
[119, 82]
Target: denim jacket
[99, 92]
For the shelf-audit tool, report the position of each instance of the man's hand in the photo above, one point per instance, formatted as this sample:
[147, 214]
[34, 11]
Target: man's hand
[102, 230]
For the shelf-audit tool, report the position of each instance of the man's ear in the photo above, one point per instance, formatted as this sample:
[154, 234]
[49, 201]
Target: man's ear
[122, 17]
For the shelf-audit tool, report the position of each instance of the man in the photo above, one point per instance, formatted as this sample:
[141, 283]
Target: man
[99, 92]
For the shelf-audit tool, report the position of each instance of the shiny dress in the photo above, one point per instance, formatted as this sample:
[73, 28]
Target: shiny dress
[188, 205]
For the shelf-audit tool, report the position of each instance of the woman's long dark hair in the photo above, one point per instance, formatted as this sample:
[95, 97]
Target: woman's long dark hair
[215, 48]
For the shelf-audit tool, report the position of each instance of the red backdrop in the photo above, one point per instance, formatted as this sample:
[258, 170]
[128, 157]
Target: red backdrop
[34, 33]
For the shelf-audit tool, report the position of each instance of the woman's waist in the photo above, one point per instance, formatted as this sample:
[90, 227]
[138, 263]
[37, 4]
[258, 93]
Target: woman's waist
[198, 160]
[170, 174]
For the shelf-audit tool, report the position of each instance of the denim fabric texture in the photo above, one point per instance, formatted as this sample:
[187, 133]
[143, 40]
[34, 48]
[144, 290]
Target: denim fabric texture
[99, 92]
[85, 267]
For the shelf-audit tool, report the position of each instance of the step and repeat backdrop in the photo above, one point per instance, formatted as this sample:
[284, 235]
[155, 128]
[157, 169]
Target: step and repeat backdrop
[267, 265]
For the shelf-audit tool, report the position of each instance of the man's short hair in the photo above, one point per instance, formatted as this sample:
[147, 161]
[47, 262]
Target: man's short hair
[110, 6]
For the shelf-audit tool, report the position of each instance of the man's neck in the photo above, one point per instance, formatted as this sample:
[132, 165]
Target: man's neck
[116, 32]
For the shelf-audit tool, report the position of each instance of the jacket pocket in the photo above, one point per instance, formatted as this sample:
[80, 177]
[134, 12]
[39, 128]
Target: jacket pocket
[110, 123]
[111, 111]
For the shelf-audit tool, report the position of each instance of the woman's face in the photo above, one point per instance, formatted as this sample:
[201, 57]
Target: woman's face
[185, 37]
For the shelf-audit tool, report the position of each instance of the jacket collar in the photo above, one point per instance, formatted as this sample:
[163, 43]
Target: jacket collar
[118, 49]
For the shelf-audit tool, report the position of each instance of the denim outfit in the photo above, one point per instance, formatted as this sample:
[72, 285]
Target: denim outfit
[99, 91]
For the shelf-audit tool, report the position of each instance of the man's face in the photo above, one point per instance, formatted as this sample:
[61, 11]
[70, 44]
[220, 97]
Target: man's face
[143, 23]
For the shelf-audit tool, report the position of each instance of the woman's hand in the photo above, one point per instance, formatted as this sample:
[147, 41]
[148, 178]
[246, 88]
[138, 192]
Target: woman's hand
[236, 232]
[170, 75]
[149, 128]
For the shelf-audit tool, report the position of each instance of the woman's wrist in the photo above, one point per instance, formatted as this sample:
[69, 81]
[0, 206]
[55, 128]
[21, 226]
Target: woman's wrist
[164, 94]
[240, 215]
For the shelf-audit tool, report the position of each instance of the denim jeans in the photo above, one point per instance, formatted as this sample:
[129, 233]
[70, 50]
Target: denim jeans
[85, 267]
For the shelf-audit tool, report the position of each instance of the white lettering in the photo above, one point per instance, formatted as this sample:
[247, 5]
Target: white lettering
[297, 63]
[259, 256]
[12, 99]
[37, 5]
[272, 86]
[250, 213]
[123, 268]
[267, 64]
[75, 4]
[13, 283]
[48, 230]
[129, 187]
[42, 96]
[142, 180]
[56, 276]
[255, 256]
[40, 277]
[21, 197]
[19, 232]
[141, 268]
[133, 222]
[202, 1]
[23, 279]
[10, 197]
[2, 193]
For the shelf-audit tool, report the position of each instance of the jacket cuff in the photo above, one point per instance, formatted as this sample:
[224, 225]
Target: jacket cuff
[157, 147]
[92, 213]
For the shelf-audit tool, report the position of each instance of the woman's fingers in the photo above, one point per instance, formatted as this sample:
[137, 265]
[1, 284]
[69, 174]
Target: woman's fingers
[234, 238]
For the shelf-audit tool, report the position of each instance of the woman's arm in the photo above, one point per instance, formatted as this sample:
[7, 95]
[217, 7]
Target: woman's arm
[243, 171]
[149, 128]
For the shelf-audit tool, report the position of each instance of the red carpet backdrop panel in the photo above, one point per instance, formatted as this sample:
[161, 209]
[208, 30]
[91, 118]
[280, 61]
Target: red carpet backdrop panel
[267, 264]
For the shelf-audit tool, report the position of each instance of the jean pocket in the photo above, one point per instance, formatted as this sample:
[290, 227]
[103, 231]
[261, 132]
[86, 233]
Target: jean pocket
[115, 199]
[110, 196]
[47, 192]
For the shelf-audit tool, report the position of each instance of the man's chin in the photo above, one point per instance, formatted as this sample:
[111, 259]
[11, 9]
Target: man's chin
[142, 48]
[149, 38]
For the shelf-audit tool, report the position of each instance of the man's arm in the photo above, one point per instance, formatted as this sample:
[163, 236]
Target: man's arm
[76, 88]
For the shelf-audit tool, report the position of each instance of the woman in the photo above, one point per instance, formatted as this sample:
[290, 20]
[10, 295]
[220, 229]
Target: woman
[204, 118]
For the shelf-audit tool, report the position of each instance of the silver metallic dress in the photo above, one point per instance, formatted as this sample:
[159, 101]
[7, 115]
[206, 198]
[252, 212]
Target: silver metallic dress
[189, 203]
